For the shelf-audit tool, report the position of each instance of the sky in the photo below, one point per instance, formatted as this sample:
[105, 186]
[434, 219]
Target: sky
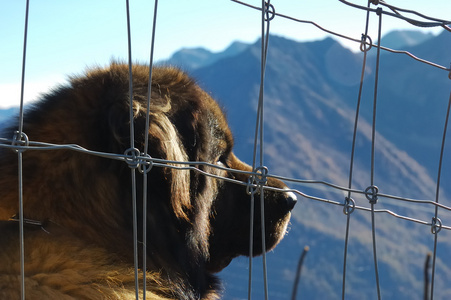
[66, 37]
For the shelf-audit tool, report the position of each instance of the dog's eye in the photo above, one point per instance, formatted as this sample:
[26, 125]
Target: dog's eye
[222, 161]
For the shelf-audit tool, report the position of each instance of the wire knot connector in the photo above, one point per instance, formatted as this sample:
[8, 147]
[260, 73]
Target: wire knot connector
[436, 225]
[132, 157]
[379, 11]
[371, 194]
[364, 46]
[257, 179]
[145, 163]
[138, 160]
[270, 12]
[20, 139]
[349, 206]
[251, 185]
[261, 173]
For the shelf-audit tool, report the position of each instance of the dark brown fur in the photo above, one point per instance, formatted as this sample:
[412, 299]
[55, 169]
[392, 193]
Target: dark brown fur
[195, 224]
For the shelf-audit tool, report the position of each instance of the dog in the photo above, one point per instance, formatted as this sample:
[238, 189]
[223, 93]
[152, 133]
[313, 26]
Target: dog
[78, 207]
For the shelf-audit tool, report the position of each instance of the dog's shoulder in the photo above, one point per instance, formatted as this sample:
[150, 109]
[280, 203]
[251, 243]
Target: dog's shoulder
[60, 266]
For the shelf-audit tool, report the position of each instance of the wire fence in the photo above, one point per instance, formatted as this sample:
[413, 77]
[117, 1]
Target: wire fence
[139, 160]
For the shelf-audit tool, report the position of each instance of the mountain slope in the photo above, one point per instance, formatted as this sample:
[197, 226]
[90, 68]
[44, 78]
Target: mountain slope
[310, 98]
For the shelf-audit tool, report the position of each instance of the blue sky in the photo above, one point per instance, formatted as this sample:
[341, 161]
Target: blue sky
[64, 37]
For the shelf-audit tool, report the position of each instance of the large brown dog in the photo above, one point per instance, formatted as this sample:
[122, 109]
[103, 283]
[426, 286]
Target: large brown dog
[196, 224]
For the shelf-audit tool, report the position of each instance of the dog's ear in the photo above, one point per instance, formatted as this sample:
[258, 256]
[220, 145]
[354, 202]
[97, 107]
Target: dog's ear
[164, 135]
[164, 143]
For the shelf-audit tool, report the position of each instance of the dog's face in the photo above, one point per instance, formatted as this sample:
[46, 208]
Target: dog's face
[219, 210]
[213, 215]
[196, 223]
[208, 138]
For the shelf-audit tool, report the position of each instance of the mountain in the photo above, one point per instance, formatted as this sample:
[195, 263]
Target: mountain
[398, 39]
[310, 100]
[194, 58]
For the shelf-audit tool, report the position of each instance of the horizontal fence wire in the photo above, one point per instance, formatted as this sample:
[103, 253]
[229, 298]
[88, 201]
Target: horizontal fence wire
[193, 166]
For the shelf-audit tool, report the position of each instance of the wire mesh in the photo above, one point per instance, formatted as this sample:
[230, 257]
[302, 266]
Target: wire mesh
[20, 143]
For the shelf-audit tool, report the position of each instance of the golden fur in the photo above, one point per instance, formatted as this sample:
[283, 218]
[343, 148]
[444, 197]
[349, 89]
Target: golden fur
[83, 250]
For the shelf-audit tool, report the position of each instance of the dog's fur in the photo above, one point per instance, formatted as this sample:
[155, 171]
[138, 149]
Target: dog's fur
[196, 224]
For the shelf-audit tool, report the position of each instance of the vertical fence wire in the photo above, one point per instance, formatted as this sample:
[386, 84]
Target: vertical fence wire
[265, 20]
[19, 138]
[251, 240]
[146, 168]
[373, 146]
[349, 202]
[149, 88]
[21, 227]
[436, 228]
[264, 48]
[132, 147]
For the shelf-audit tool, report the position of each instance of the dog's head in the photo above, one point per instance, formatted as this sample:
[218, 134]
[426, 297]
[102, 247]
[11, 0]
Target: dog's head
[218, 210]
[208, 214]
[196, 218]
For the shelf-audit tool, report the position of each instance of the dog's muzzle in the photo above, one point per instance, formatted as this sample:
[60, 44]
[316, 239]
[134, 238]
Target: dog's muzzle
[291, 200]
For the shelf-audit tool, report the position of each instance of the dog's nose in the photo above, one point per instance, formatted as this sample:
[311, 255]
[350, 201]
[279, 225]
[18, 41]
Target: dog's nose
[291, 199]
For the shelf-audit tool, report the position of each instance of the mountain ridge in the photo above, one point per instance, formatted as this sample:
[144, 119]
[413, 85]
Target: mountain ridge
[194, 58]
[398, 39]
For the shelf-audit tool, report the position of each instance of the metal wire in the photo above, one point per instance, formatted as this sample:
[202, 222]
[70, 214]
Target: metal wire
[146, 168]
[188, 165]
[19, 136]
[437, 193]
[394, 8]
[373, 200]
[132, 146]
[21, 227]
[436, 22]
[416, 23]
[265, 21]
[364, 49]
[149, 88]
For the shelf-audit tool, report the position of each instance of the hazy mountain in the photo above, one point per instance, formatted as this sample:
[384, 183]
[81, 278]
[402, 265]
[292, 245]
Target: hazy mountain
[398, 39]
[194, 58]
[310, 98]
